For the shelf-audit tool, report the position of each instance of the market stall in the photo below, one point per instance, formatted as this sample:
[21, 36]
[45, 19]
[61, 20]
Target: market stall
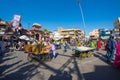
[38, 51]
[83, 52]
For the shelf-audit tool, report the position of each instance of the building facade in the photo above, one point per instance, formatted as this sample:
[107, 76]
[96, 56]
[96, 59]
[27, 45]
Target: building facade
[117, 27]
[36, 31]
[105, 33]
[3, 26]
[117, 23]
[71, 33]
[94, 34]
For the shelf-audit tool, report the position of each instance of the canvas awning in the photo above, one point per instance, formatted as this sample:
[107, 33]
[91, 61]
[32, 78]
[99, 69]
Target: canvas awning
[24, 37]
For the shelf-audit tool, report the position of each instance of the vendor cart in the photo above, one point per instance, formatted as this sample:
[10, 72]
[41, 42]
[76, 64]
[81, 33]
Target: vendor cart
[38, 52]
[83, 52]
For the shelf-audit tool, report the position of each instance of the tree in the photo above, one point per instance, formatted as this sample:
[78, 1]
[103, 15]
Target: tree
[50, 31]
[45, 30]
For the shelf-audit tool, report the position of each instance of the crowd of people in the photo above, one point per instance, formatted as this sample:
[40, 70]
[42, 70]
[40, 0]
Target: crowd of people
[111, 45]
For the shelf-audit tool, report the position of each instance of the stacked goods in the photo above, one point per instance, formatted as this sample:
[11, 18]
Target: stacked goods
[83, 54]
[39, 51]
[44, 51]
[37, 48]
[28, 48]
[34, 49]
[89, 53]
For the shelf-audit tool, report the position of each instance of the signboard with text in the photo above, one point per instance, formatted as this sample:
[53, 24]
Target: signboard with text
[16, 20]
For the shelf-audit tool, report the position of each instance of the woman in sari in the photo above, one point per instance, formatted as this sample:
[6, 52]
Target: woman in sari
[98, 44]
[117, 55]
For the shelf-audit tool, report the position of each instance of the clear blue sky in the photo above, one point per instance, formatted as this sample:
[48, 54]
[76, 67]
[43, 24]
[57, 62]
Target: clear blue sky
[52, 14]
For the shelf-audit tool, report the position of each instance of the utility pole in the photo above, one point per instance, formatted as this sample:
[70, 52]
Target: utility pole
[78, 1]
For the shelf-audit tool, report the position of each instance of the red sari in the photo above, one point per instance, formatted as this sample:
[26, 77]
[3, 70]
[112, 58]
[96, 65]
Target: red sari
[98, 45]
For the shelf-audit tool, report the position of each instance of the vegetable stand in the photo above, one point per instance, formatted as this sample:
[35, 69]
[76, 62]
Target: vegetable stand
[83, 52]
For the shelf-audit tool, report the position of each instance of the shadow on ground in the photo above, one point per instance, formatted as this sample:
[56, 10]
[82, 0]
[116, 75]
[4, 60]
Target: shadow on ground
[102, 57]
[17, 70]
[63, 76]
[27, 71]
[103, 73]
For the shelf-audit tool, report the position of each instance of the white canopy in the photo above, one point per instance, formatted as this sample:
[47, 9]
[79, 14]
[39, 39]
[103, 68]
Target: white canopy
[24, 37]
[56, 36]
[37, 24]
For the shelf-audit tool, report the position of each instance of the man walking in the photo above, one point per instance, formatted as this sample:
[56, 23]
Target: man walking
[110, 45]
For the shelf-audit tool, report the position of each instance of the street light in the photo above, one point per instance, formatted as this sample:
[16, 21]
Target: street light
[82, 17]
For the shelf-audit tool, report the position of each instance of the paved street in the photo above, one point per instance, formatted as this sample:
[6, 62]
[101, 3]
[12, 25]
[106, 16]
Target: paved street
[16, 66]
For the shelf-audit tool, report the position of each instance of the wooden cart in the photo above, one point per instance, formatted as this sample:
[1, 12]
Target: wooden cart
[38, 52]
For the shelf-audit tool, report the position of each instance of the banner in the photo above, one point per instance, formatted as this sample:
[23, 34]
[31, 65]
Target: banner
[16, 20]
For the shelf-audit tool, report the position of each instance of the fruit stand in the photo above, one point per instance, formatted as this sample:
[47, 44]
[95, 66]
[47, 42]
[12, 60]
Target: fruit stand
[38, 52]
[83, 52]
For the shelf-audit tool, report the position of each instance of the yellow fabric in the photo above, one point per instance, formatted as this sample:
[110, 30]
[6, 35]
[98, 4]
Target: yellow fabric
[34, 48]
[37, 49]
[28, 48]
[47, 46]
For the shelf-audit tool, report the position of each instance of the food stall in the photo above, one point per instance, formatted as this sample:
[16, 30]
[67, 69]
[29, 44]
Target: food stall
[38, 51]
[83, 52]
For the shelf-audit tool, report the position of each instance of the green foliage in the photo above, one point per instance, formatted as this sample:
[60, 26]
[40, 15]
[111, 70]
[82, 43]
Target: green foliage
[46, 31]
